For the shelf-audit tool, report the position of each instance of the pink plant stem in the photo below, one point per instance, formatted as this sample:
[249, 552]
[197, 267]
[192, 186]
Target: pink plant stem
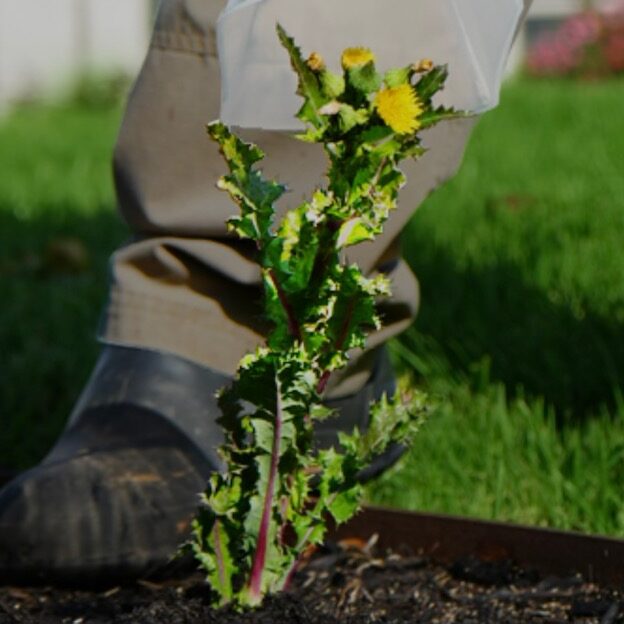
[255, 580]
[293, 324]
[291, 575]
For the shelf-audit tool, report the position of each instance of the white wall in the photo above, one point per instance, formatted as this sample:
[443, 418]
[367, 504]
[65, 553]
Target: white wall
[117, 32]
[549, 8]
[44, 42]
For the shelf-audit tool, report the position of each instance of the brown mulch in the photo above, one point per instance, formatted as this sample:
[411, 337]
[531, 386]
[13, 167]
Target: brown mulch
[346, 583]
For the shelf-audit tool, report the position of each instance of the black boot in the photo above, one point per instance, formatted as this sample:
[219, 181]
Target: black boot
[115, 496]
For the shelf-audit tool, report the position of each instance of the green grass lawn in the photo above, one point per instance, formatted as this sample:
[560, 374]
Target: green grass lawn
[520, 338]
[55, 193]
[521, 332]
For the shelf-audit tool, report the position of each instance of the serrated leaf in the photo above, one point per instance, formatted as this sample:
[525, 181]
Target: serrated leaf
[263, 434]
[434, 116]
[333, 85]
[311, 135]
[415, 151]
[397, 76]
[431, 83]
[351, 117]
[320, 412]
[352, 232]
[254, 194]
[309, 85]
[392, 421]
[345, 504]
[293, 252]
[364, 78]
[374, 134]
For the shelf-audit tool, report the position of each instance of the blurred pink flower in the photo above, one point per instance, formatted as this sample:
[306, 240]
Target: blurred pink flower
[587, 43]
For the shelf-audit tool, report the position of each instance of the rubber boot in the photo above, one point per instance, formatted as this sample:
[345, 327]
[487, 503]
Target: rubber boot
[114, 498]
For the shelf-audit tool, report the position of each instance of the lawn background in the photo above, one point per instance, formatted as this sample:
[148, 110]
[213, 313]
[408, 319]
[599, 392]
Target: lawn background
[520, 337]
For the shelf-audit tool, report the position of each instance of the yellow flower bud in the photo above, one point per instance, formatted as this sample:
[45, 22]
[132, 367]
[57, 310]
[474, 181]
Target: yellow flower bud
[356, 57]
[422, 66]
[315, 62]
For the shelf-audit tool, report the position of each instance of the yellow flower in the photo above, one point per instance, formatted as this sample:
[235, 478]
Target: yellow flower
[315, 62]
[356, 57]
[400, 108]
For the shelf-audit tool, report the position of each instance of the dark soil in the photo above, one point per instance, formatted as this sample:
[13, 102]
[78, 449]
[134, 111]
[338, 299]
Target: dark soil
[346, 584]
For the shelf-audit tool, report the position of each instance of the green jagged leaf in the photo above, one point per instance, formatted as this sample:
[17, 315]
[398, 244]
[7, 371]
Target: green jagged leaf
[371, 135]
[309, 84]
[213, 549]
[221, 501]
[364, 178]
[274, 310]
[353, 311]
[321, 412]
[263, 433]
[433, 117]
[333, 85]
[398, 76]
[311, 135]
[414, 151]
[352, 232]
[431, 83]
[387, 148]
[364, 78]
[254, 384]
[345, 504]
[392, 421]
[351, 117]
[293, 251]
[309, 530]
[254, 194]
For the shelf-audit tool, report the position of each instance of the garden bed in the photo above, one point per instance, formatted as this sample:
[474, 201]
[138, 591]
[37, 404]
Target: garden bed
[385, 566]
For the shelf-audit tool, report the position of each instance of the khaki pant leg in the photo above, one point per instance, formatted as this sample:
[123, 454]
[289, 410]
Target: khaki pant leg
[183, 285]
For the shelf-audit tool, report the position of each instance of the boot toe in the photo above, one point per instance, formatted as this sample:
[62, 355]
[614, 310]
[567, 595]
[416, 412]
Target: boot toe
[104, 514]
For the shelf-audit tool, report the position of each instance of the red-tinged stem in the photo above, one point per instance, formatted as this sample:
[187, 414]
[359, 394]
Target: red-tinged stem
[295, 566]
[322, 384]
[259, 561]
[320, 387]
[291, 574]
[293, 324]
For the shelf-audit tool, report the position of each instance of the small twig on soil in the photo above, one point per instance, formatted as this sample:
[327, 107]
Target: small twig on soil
[610, 616]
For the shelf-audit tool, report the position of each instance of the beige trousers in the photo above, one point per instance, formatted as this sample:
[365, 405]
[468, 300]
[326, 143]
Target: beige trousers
[183, 285]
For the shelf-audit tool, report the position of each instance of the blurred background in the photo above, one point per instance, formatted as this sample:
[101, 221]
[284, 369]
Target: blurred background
[520, 337]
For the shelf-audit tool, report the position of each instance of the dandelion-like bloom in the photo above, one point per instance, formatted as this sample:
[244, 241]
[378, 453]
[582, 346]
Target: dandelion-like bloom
[315, 62]
[356, 57]
[400, 108]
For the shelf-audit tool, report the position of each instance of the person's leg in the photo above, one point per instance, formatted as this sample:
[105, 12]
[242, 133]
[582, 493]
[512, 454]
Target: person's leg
[115, 495]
